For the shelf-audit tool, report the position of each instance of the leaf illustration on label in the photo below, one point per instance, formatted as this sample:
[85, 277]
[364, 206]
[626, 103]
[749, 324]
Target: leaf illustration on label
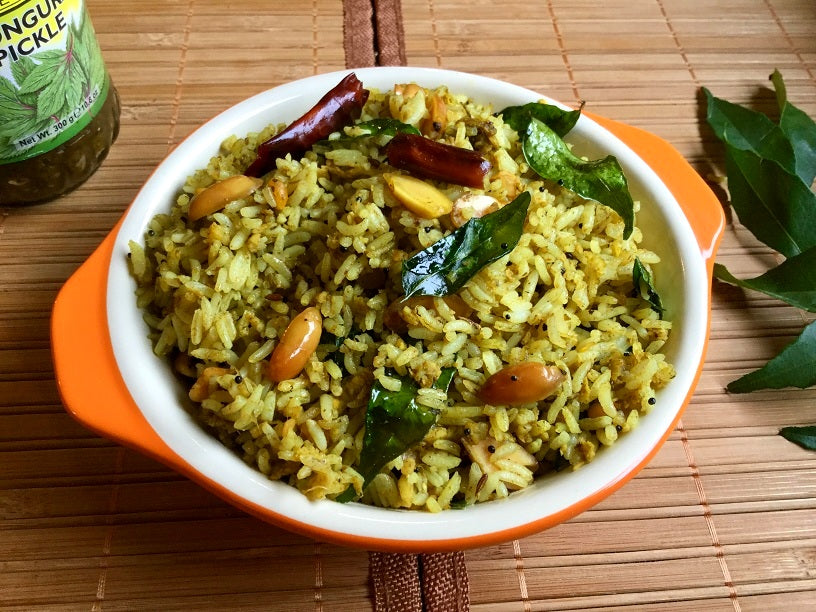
[40, 76]
[95, 67]
[42, 96]
[74, 85]
[52, 98]
[21, 68]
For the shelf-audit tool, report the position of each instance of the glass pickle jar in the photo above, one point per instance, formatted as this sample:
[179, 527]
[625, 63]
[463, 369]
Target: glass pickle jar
[59, 111]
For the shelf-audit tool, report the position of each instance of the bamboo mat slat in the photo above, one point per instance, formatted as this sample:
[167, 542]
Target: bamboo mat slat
[724, 516]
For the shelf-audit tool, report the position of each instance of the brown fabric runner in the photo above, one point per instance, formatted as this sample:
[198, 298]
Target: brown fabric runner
[445, 582]
[373, 33]
[390, 33]
[395, 581]
[358, 33]
[426, 583]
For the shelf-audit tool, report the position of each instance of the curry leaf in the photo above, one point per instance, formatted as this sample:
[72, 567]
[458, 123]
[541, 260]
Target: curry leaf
[749, 130]
[444, 267]
[395, 422]
[642, 279]
[775, 205]
[800, 130]
[600, 180]
[803, 436]
[445, 379]
[384, 126]
[793, 367]
[793, 281]
[557, 119]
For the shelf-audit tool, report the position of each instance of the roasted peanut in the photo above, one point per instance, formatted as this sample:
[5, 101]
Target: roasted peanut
[298, 342]
[392, 317]
[421, 198]
[522, 383]
[218, 195]
[472, 206]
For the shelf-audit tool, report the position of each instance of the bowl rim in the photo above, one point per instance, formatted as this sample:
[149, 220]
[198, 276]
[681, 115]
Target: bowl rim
[356, 523]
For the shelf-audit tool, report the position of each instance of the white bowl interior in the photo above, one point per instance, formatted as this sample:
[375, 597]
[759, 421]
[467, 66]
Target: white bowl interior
[681, 280]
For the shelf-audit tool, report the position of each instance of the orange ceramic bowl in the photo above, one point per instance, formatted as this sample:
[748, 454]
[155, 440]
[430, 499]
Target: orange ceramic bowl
[111, 381]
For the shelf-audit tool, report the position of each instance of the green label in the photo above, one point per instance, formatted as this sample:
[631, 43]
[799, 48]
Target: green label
[52, 77]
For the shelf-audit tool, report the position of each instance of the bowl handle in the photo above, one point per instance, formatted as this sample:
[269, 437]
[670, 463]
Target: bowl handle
[88, 378]
[701, 207]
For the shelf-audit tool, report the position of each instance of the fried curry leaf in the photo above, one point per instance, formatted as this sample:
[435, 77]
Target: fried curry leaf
[557, 119]
[803, 436]
[601, 180]
[793, 281]
[394, 423]
[800, 130]
[444, 267]
[381, 126]
[642, 279]
[793, 367]
[385, 127]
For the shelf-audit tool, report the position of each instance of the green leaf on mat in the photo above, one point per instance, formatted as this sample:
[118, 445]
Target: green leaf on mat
[800, 130]
[444, 267]
[803, 436]
[793, 281]
[793, 367]
[601, 180]
[749, 130]
[775, 205]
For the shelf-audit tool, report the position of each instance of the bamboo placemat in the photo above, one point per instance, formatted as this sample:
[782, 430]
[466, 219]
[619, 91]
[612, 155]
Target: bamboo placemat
[722, 519]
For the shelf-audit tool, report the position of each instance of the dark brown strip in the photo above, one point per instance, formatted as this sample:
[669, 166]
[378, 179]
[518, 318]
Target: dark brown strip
[395, 581]
[390, 33]
[358, 33]
[445, 582]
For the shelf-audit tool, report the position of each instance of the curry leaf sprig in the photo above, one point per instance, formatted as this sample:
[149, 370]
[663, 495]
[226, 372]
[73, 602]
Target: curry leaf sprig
[770, 168]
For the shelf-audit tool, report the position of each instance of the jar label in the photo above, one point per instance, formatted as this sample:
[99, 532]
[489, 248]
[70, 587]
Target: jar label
[52, 77]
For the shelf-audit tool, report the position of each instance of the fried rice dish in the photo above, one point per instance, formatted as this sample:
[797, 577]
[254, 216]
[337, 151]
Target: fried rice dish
[405, 299]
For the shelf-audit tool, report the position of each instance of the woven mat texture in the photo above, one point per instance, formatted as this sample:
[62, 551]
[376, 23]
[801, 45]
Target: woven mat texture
[724, 517]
